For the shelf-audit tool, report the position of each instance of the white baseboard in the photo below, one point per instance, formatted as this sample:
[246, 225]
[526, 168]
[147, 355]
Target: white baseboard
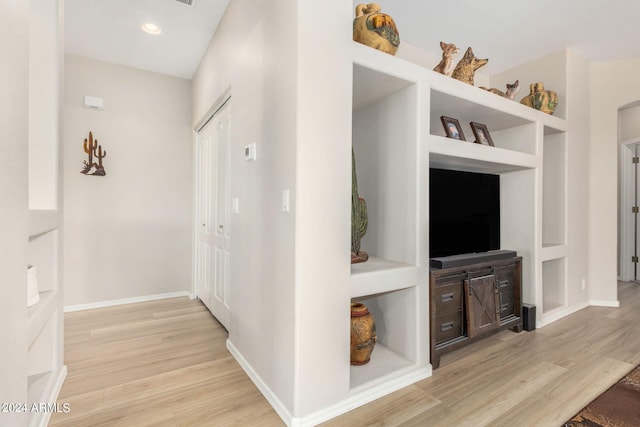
[356, 398]
[603, 303]
[114, 302]
[362, 396]
[51, 398]
[273, 400]
[559, 313]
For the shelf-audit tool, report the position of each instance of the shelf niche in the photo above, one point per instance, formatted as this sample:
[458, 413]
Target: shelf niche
[393, 351]
[384, 138]
[554, 281]
[554, 190]
[502, 126]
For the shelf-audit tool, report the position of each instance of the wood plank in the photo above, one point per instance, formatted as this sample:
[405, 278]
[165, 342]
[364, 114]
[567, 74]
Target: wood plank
[165, 363]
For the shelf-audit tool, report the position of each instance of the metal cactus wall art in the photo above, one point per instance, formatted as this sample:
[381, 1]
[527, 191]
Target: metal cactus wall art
[359, 219]
[93, 149]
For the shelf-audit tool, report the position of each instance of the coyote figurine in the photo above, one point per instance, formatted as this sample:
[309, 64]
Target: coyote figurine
[512, 90]
[467, 67]
[449, 51]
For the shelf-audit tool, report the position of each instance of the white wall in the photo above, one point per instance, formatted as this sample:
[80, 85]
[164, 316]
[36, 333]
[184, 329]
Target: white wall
[578, 183]
[551, 70]
[613, 84]
[14, 43]
[253, 55]
[44, 103]
[127, 234]
[323, 237]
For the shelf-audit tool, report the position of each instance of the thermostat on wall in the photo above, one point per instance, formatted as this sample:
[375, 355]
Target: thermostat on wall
[250, 151]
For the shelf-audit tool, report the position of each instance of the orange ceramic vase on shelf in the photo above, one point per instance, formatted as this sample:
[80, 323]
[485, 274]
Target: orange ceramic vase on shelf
[363, 334]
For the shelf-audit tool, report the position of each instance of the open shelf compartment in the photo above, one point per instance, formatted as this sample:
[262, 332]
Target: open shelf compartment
[554, 190]
[554, 281]
[386, 149]
[396, 348]
[487, 109]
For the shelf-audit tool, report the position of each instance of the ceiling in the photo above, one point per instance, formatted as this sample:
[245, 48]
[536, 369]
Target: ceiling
[508, 32]
[109, 30]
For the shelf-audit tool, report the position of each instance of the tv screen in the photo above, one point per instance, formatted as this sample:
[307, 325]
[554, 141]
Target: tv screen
[464, 209]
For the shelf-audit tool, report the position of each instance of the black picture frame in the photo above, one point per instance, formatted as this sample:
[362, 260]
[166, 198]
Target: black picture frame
[452, 128]
[481, 133]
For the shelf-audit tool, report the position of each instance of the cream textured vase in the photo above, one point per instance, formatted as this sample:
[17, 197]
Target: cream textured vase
[33, 296]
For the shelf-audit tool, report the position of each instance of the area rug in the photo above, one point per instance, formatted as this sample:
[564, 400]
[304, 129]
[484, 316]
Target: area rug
[617, 407]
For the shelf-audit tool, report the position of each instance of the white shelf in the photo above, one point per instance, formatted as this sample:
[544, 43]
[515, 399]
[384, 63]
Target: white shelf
[384, 363]
[39, 314]
[551, 252]
[448, 153]
[378, 275]
[43, 221]
[456, 99]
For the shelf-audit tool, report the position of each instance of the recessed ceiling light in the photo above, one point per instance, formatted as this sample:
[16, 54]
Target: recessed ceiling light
[151, 28]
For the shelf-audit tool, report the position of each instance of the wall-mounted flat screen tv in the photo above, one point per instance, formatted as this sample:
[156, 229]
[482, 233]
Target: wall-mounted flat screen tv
[464, 212]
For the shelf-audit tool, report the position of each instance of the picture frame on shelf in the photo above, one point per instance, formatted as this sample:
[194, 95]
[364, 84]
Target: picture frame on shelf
[481, 133]
[452, 128]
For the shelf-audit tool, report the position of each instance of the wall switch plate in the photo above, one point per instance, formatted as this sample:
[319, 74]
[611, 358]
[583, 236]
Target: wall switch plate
[250, 151]
[235, 205]
[285, 200]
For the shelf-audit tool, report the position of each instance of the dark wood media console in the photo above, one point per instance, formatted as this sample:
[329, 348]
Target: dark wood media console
[472, 301]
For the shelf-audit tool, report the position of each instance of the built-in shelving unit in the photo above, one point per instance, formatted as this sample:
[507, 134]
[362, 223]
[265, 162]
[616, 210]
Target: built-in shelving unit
[397, 136]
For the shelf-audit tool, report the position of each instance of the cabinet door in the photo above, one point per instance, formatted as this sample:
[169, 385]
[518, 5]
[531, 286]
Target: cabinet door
[482, 296]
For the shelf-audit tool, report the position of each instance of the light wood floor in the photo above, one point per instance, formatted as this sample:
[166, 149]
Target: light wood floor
[165, 364]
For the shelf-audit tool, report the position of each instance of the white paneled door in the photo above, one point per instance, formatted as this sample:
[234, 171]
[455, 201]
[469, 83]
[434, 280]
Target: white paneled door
[213, 247]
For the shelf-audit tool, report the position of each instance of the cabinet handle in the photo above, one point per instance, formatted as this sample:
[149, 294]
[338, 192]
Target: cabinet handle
[446, 326]
[446, 297]
[503, 283]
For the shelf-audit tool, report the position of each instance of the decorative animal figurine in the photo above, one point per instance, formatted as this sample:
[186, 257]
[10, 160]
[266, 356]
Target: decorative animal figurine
[512, 90]
[359, 218]
[375, 29]
[449, 51]
[467, 66]
[541, 99]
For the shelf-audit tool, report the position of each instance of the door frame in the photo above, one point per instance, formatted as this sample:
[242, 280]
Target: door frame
[627, 227]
